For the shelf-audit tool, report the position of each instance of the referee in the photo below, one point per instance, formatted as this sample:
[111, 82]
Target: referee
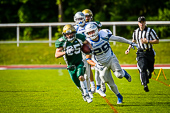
[144, 37]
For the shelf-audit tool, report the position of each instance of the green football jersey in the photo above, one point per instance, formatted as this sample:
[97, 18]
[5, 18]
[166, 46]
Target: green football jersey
[75, 57]
[99, 25]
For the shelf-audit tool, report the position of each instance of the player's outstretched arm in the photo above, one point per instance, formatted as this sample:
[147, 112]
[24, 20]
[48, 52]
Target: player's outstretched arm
[59, 53]
[119, 39]
[128, 50]
[90, 61]
[130, 46]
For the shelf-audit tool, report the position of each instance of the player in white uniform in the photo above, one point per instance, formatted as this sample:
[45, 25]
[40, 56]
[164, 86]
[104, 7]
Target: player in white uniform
[107, 60]
[79, 19]
[101, 88]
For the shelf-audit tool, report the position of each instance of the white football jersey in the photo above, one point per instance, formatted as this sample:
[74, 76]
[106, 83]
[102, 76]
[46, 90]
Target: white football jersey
[101, 48]
[80, 29]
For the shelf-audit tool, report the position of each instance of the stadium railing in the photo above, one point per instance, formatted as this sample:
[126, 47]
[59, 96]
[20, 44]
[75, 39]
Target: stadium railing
[50, 25]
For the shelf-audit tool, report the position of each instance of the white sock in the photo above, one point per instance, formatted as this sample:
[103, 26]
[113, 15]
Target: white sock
[84, 87]
[92, 84]
[88, 84]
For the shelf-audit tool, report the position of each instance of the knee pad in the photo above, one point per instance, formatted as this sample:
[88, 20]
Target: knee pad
[119, 74]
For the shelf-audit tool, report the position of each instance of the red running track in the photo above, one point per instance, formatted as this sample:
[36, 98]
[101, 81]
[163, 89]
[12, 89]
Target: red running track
[127, 66]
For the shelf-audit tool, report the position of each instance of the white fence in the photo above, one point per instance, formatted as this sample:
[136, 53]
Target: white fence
[50, 25]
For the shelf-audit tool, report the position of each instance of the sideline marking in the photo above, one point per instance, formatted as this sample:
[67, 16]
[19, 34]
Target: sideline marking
[3, 68]
[60, 73]
[107, 101]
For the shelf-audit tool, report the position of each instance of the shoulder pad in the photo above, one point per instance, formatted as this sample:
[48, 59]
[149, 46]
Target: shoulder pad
[104, 34]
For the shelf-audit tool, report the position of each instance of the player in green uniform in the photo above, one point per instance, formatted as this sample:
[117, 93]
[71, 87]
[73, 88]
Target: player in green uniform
[89, 17]
[69, 46]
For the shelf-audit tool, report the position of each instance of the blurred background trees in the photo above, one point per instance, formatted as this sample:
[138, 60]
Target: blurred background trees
[35, 11]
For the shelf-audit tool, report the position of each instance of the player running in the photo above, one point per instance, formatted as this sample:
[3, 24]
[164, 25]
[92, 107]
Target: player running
[69, 46]
[79, 19]
[101, 88]
[107, 60]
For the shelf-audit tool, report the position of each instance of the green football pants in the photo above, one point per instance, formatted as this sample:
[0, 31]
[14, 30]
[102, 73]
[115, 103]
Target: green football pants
[75, 72]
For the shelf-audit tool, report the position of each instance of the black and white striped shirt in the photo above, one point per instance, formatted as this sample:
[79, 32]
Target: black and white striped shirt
[147, 33]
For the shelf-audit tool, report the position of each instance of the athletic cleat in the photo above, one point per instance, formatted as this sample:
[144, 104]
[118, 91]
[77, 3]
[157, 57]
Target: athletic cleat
[127, 76]
[88, 99]
[84, 98]
[90, 94]
[101, 93]
[93, 89]
[120, 99]
[103, 89]
[146, 88]
[129, 79]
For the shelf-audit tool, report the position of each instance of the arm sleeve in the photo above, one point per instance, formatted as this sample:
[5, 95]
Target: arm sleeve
[154, 35]
[119, 39]
[82, 37]
[59, 43]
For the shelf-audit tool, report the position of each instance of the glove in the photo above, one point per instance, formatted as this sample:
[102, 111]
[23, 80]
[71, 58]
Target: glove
[69, 50]
[133, 45]
[99, 67]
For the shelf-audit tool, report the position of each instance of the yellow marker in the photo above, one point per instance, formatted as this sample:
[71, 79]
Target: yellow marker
[161, 70]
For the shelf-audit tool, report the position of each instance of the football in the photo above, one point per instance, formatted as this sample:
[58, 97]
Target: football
[85, 48]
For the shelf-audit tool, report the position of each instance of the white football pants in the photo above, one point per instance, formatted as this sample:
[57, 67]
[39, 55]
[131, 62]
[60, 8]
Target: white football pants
[106, 76]
[87, 73]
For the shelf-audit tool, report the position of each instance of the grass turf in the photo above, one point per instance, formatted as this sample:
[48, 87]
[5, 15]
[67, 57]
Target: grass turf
[10, 54]
[52, 91]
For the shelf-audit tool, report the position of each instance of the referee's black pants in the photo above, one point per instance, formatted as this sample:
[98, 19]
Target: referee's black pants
[145, 63]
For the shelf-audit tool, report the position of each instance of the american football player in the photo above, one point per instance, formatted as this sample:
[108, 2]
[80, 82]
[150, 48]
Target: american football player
[101, 88]
[89, 17]
[79, 19]
[107, 60]
[69, 46]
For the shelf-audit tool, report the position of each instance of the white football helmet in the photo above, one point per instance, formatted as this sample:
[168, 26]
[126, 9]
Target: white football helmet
[79, 19]
[91, 27]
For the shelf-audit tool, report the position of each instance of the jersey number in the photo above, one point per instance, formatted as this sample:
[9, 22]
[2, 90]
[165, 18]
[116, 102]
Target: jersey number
[76, 48]
[102, 50]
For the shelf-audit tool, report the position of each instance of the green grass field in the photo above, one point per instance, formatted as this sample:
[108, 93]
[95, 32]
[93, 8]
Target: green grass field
[10, 54]
[52, 91]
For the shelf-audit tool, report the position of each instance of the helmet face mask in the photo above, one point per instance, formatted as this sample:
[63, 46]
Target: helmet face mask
[69, 32]
[91, 31]
[88, 14]
[88, 18]
[79, 19]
